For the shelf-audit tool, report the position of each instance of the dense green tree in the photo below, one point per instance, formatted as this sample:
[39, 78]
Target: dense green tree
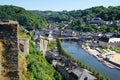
[51, 45]
[61, 26]
[38, 68]
[24, 17]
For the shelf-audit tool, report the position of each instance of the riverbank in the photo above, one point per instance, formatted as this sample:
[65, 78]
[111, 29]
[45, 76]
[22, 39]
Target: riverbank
[111, 56]
[93, 72]
[74, 49]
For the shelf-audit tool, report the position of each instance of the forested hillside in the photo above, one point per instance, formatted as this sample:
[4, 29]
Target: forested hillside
[52, 16]
[78, 19]
[37, 19]
[109, 14]
[25, 18]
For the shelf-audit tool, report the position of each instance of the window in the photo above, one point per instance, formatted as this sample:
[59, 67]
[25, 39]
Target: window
[86, 78]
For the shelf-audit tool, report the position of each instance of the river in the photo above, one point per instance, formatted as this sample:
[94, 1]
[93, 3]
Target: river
[74, 49]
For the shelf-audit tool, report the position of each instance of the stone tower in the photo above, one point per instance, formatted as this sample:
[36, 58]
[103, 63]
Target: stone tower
[24, 46]
[9, 50]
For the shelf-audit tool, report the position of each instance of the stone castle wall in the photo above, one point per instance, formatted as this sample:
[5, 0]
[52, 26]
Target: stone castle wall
[9, 39]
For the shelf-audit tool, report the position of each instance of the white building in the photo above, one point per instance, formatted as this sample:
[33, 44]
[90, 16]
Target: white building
[108, 42]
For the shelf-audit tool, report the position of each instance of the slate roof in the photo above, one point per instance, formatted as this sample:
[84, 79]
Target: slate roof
[116, 35]
[104, 39]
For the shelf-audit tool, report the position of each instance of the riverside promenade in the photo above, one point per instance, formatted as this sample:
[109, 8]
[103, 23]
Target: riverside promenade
[101, 55]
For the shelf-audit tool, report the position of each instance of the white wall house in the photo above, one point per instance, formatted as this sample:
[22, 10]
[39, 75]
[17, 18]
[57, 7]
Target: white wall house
[114, 42]
[109, 42]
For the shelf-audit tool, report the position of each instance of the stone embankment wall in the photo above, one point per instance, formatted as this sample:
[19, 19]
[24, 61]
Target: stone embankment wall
[9, 50]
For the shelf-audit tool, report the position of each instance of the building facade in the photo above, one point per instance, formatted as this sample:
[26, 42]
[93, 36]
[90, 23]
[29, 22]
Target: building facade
[108, 42]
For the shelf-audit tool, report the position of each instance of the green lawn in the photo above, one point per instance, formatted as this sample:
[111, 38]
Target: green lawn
[116, 49]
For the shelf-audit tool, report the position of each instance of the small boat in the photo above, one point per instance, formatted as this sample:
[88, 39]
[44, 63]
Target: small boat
[108, 64]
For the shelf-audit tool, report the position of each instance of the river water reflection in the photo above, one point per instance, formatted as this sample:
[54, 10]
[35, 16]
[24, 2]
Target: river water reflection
[74, 49]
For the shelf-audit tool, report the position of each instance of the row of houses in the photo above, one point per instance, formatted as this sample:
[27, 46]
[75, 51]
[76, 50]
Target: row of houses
[104, 40]
[98, 21]
[68, 69]
[53, 33]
